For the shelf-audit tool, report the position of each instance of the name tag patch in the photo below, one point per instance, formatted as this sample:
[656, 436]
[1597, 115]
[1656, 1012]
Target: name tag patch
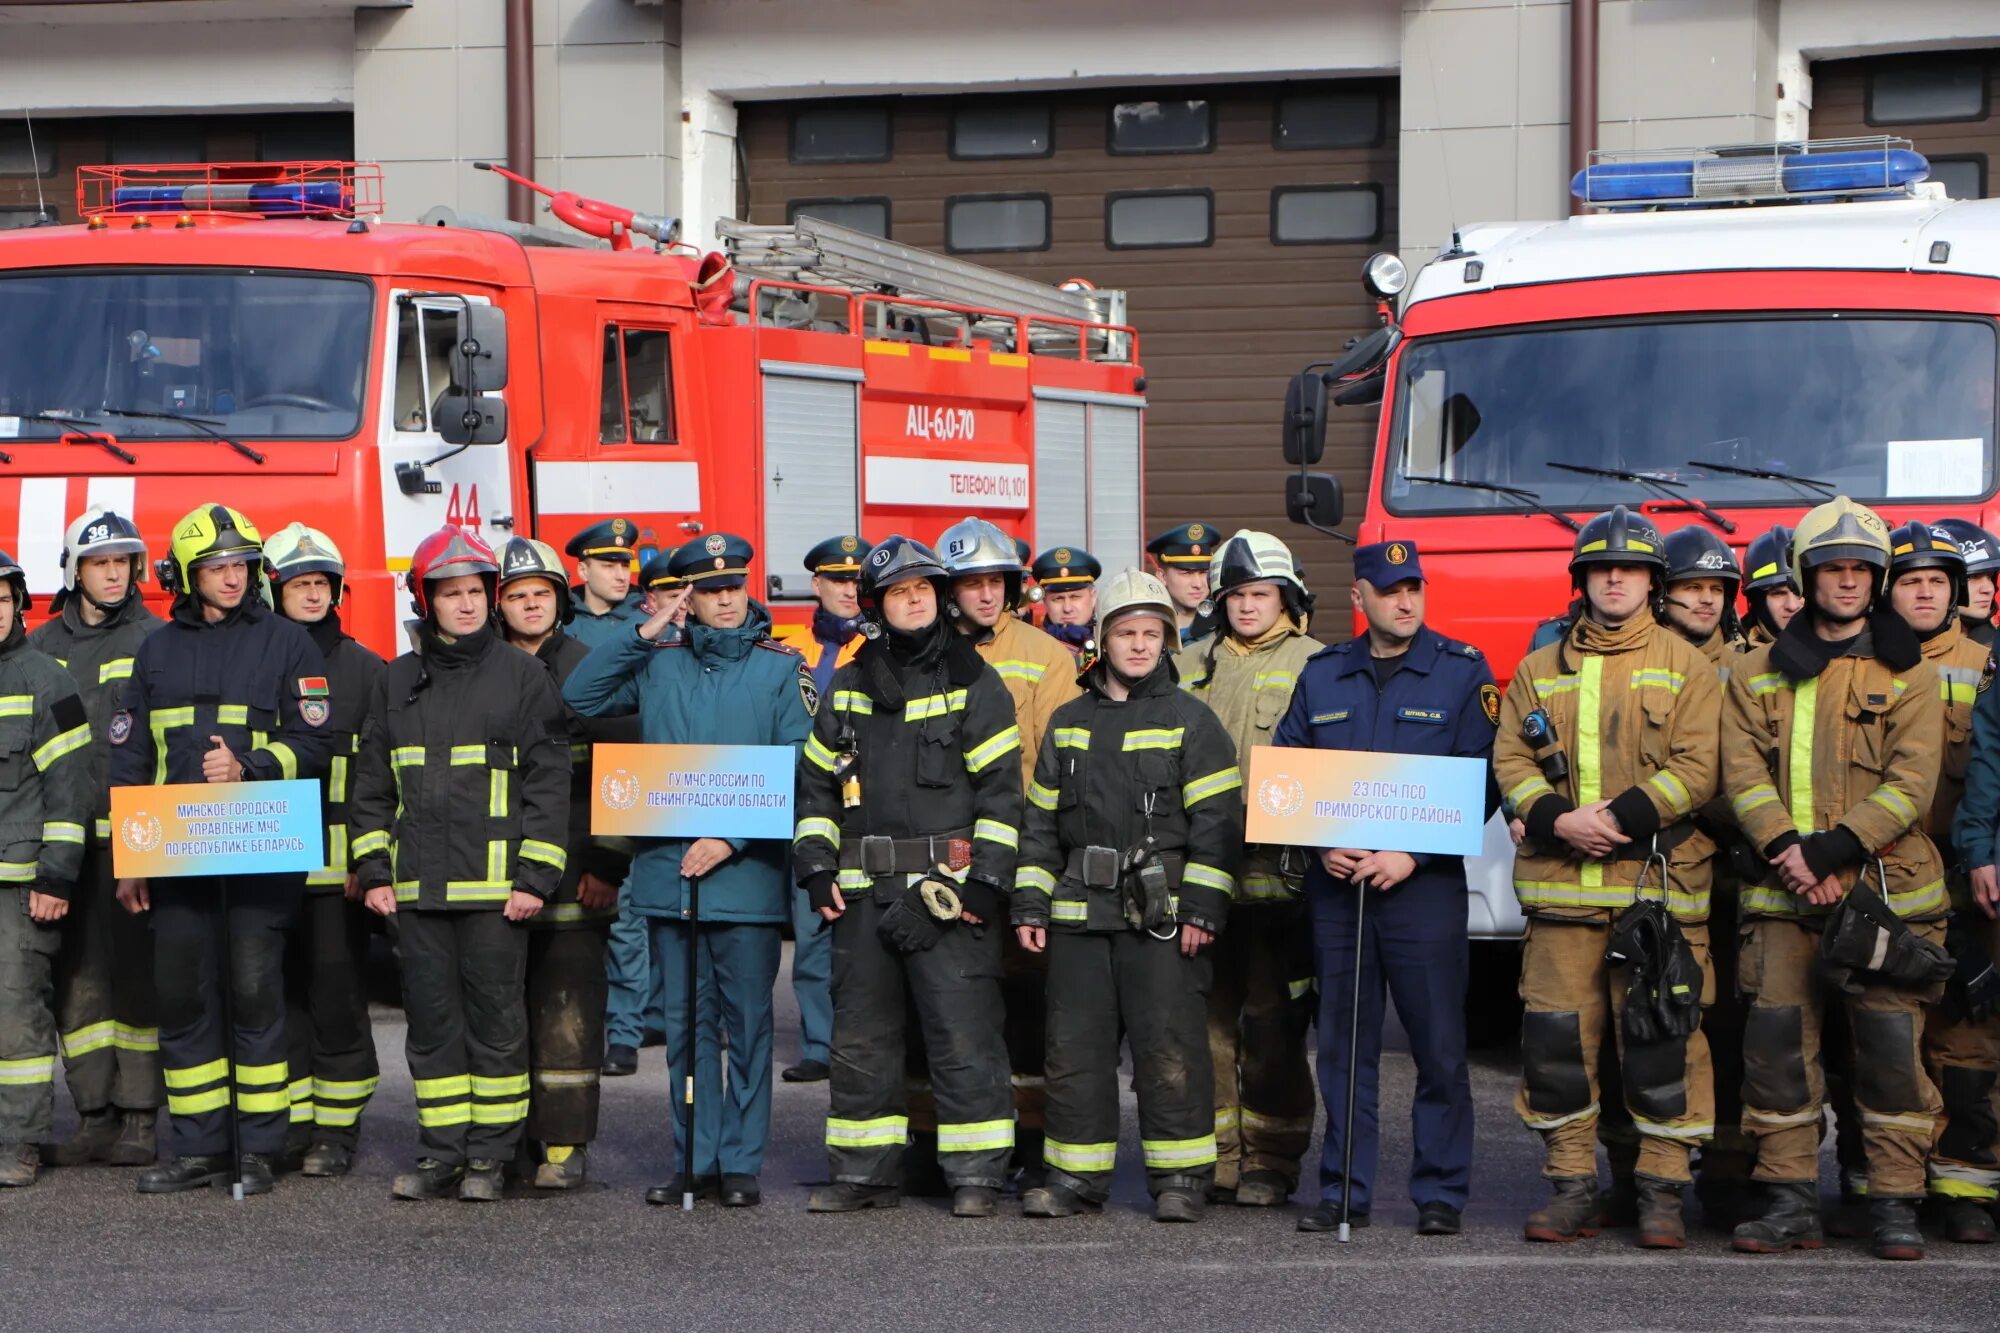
[1337, 715]
[1434, 716]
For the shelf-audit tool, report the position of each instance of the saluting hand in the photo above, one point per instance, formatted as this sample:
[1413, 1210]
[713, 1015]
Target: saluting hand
[219, 765]
[666, 609]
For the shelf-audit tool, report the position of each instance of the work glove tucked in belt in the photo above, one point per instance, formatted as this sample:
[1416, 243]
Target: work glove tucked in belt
[1864, 940]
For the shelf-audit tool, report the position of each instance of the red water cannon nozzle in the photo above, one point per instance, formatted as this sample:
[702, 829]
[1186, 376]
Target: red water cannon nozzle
[594, 217]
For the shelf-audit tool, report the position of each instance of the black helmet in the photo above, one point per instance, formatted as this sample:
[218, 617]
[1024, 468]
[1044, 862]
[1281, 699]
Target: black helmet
[895, 559]
[1697, 553]
[16, 578]
[1980, 548]
[1918, 545]
[1618, 537]
[1767, 561]
[526, 558]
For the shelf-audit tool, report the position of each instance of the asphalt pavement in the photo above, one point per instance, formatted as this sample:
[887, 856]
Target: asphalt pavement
[82, 1251]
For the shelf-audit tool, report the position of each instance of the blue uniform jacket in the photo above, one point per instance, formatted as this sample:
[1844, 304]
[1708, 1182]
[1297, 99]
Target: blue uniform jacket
[712, 687]
[1976, 825]
[591, 630]
[1441, 701]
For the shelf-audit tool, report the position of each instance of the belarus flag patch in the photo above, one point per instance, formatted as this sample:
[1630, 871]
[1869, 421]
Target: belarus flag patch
[313, 687]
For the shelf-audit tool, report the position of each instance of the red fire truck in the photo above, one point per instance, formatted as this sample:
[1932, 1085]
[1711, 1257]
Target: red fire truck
[1733, 336]
[256, 335]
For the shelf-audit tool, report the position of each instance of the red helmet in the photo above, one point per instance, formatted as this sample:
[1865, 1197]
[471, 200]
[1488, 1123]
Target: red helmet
[449, 553]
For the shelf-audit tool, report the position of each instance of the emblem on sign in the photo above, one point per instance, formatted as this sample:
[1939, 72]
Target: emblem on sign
[1281, 796]
[618, 789]
[141, 832]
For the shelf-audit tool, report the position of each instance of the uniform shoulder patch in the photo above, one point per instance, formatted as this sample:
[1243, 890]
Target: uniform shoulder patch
[1986, 674]
[808, 692]
[1469, 651]
[315, 712]
[777, 647]
[1489, 701]
[121, 726]
[314, 687]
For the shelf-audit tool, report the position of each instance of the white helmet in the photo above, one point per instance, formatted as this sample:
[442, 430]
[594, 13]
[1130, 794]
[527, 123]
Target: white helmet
[1134, 592]
[296, 549]
[1251, 557]
[101, 532]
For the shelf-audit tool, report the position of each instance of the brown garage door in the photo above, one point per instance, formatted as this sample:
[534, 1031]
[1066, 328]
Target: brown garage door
[1236, 218]
[1941, 101]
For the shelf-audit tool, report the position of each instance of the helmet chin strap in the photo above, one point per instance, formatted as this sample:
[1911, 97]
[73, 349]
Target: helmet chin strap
[131, 587]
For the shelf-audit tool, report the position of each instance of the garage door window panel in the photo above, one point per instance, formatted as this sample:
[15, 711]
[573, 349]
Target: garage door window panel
[1159, 219]
[841, 134]
[985, 132]
[1963, 175]
[870, 214]
[1323, 120]
[1182, 125]
[985, 223]
[1931, 92]
[1325, 214]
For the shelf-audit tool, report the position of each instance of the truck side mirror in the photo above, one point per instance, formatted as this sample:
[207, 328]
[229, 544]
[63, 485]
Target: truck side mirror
[479, 361]
[1305, 419]
[463, 418]
[1313, 499]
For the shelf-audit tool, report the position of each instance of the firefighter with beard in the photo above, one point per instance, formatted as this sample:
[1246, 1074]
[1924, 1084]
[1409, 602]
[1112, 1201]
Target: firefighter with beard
[461, 812]
[332, 1042]
[43, 813]
[1981, 550]
[1259, 1005]
[566, 939]
[1606, 748]
[1831, 742]
[1926, 588]
[105, 1007]
[226, 691]
[1134, 829]
[909, 822]
[1768, 590]
[1180, 558]
[1040, 675]
[1067, 577]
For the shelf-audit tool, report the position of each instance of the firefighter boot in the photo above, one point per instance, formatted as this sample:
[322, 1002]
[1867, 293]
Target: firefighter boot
[973, 1201]
[1178, 1203]
[92, 1141]
[1261, 1189]
[185, 1173]
[847, 1197]
[1573, 1212]
[1661, 1226]
[138, 1140]
[431, 1180]
[1966, 1222]
[1056, 1201]
[327, 1159]
[1896, 1235]
[255, 1172]
[562, 1168]
[481, 1182]
[1790, 1220]
[18, 1164]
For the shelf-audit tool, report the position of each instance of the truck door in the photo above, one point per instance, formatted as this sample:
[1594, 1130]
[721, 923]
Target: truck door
[812, 450]
[1094, 437]
[468, 487]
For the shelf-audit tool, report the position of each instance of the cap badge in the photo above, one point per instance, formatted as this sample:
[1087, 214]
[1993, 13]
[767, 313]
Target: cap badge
[715, 545]
[1397, 554]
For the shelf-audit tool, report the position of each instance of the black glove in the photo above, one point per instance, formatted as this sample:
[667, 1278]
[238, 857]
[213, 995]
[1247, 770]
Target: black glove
[1973, 993]
[1663, 994]
[819, 889]
[982, 900]
[1864, 939]
[907, 925]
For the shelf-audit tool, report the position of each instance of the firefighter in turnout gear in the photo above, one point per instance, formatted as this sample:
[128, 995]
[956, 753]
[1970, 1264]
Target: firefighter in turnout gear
[460, 819]
[1981, 550]
[1768, 590]
[1040, 675]
[1606, 748]
[1926, 588]
[828, 643]
[566, 939]
[909, 821]
[105, 1008]
[1134, 828]
[1180, 558]
[1831, 742]
[226, 691]
[332, 1042]
[1260, 1004]
[724, 682]
[44, 813]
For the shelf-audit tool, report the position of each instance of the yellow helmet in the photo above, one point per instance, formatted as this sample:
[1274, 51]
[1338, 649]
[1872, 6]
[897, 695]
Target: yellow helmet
[1840, 529]
[208, 535]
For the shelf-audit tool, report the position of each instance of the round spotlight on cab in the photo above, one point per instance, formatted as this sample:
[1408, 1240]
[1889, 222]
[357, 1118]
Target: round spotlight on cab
[1385, 275]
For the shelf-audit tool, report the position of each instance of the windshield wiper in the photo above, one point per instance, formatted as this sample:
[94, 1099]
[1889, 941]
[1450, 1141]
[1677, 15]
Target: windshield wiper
[1527, 497]
[1810, 484]
[80, 435]
[201, 424]
[1667, 487]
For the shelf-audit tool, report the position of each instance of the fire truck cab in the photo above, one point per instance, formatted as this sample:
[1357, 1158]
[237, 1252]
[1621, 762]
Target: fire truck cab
[1732, 337]
[255, 335]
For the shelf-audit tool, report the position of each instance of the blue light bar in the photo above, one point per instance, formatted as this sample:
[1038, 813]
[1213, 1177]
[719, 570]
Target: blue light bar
[270, 199]
[1750, 176]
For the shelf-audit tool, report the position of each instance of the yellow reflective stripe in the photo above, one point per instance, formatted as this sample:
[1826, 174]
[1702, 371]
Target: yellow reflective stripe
[369, 844]
[934, 705]
[1658, 678]
[405, 755]
[994, 831]
[1154, 738]
[88, 1038]
[1069, 909]
[336, 778]
[1301, 1124]
[1257, 887]
[17, 872]
[1946, 1188]
[1527, 792]
[277, 1073]
[288, 763]
[261, 1103]
[499, 1113]
[1558, 1121]
[816, 827]
[1679, 800]
[852, 879]
[193, 1076]
[326, 1088]
[21, 1073]
[1072, 738]
[448, 1113]
[1924, 900]
[890, 1131]
[1691, 1133]
[463, 891]
[1762, 794]
[57, 830]
[1556, 684]
[462, 755]
[1589, 747]
[497, 794]
[852, 701]
[507, 1085]
[1767, 682]
[135, 1039]
[1034, 877]
[1214, 784]
[1545, 893]
[1906, 1123]
[818, 755]
[536, 850]
[17, 705]
[69, 742]
[1031, 672]
[1165, 1154]
[1000, 743]
[976, 1136]
[1894, 802]
[163, 718]
[118, 668]
[103, 830]
[1299, 989]
[1043, 798]
[233, 714]
[1805, 699]
[1228, 1119]
[451, 1085]
[1208, 877]
[1080, 1156]
[1273, 680]
[195, 1103]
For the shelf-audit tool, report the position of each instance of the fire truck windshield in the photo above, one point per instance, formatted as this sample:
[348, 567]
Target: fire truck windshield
[1880, 408]
[258, 355]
